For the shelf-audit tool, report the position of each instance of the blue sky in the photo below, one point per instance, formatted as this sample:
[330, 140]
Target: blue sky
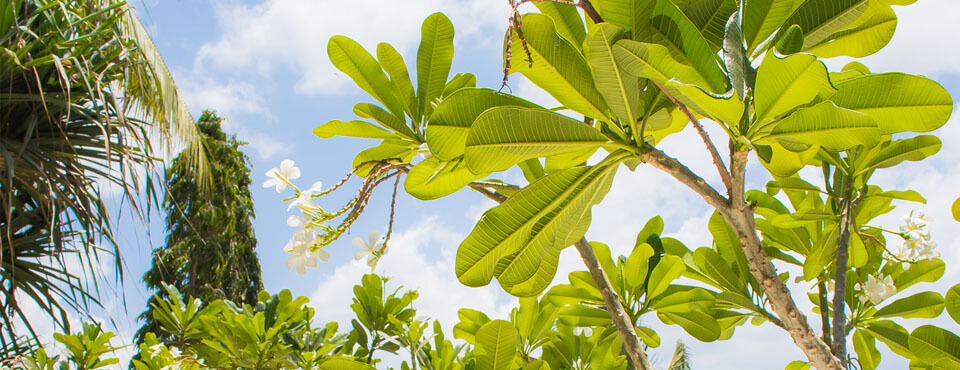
[263, 66]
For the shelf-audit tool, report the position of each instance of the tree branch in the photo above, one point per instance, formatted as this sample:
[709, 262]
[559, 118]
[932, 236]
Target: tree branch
[741, 218]
[610, 298]
[714, 154]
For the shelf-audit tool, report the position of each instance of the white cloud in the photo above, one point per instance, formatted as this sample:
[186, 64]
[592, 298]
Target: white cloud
[292, 35]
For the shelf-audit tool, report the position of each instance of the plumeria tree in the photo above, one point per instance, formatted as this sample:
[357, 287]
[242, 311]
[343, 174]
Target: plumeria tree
[628, 74]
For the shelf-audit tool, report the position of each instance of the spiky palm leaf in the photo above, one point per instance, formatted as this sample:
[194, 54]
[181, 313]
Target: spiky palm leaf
[81, 90]
[681, 358]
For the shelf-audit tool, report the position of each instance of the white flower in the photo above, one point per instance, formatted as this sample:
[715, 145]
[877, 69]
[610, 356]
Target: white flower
[372, 248]
[303, 258]
[296, 221]
[877, 290]
[914, 223]
[305, 199]
[917, 243]
[578, 330]
[175, 352]
[280, 177]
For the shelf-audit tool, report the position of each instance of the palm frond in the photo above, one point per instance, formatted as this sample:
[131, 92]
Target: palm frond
[681, 358]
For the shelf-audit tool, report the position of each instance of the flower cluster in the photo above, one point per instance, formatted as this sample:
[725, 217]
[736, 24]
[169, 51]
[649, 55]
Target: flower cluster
[311, 234]
[917, 243]
[877, 289]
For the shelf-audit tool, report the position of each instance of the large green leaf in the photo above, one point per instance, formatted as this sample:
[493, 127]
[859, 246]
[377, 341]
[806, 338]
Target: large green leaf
[668, 26]
[451, 121]
[385, 119]
[925, 305]
[566, 294]
[433, 178]
[819, 19]
[520, 240]
[867, 354]
[352, 129]
[470, 323]
[433, 59]
[698, 324]
[894, 152]
[783, 83]
[952, 302]
[926, 271]
[504, 136]
[392, 62]
[710, 16]
[931, 344]
[668, 269]
[388, 149]
[762, 18]
[827, 125]
[714, 267]
[567, 20]
[636, 266]
[497, 345]
[350, 58]
[653, 61]
[583, 316]
[620, 90]
[893, 335]
[870, 33]
[898, 102]
[556, 66]
[622, 13]
[727, 109]
[728, 245]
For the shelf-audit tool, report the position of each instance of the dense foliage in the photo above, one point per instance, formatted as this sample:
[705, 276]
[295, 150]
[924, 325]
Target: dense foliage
[210, 246]
[81, 89]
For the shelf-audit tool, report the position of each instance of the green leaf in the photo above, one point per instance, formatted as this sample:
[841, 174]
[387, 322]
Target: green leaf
[666, 271]
[497, 345]
[668, 26]
[620, 90]
[564, 161]
[898, 102]
[470, 322]
[826, 125]
[728, 246]
[583, 316]
[504, 136]
[457, 82]
[762, 18]
[892, 153]
[653, 61]
[434, 58]
[388, 149]
[392, 62]
[567, 20]
[858, 255]
[893, 335]
[710, 16]
[696, 323]
[623, 13]
[565, 294]
[926, 305]
[790, 184]
[867, 354]
[798, 365]
[819, 19]
[791, 42]
[636, 266]
[385, 119]
[649, 336]
[716, 269]
[451, 121]
[926, 271]
[727, 109]
[352, 129]
[351, 59]
[557, 67]
[952, 302]
[784, 83]
[931, 344]
[343, 364]
[520, 240]
[870, 33]
[735, 58]
[956, 209]
[433, 178]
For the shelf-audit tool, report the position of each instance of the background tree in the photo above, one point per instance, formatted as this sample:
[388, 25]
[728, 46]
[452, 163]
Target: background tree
[81, 86]
[210, 242]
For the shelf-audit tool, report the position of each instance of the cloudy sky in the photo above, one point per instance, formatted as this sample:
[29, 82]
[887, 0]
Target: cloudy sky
[263, 66]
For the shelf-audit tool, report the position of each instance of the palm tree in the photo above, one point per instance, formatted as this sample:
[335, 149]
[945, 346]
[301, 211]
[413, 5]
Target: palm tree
[681, 358]
[210, 241]
[82, 89]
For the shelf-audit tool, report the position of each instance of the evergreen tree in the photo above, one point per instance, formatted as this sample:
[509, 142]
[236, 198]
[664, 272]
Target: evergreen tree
[209, 252]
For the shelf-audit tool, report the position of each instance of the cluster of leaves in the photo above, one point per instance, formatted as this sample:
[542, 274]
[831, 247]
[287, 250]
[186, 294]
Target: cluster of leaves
[638, 71]
[82, 86]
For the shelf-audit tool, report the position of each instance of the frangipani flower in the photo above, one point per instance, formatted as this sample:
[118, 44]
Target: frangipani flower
[303, 258]
[372, 248]
[305, 199]
[296, 221]
[280, 177]
[877, 290]
[917, 243]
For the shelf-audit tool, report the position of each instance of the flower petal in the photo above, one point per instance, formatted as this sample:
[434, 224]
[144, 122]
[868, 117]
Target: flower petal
[360, 243]
[374, 237]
